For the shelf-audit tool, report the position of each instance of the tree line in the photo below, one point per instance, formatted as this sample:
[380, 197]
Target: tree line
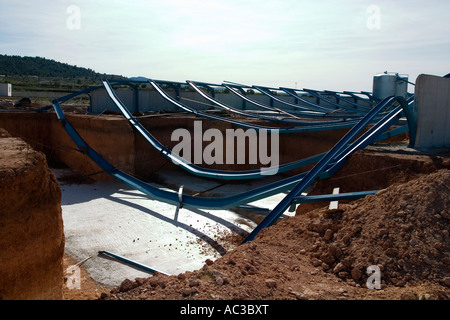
[46, 68]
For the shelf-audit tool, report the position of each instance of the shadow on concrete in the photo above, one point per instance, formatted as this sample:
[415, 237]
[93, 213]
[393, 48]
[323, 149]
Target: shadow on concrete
[213, 243]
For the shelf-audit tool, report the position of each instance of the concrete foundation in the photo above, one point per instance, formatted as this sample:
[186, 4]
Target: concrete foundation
[432, 110]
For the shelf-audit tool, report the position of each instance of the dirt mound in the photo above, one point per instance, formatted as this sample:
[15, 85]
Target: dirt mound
[31, 225]
[403, 230]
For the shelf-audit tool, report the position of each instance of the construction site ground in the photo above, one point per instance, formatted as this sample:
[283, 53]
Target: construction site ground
[320, 254]
[314, 254]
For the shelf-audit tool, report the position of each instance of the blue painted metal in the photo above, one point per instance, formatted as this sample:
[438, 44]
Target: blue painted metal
[296, 120]
[171, 197]
[357, 96]
[266, 92]
[356, 111]
[306, 113]
[371, 136]
[311, 108]
[208, 173]
[322, 165]
[320, 96]
[371, 96]
[198, 171]
[329, 111]
[333, 197]
[239, 92]
[297, 184]
[131, 263]
[181, 106]
[340, 97]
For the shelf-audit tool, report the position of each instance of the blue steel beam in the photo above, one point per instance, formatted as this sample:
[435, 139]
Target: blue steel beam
[266, 92]
[356, 96]
[294, 94]
[367, 138]
[241, 124]
[169, 196]
[333, 197]
[317, 94]
[172, 197]
[131, 263]
[297, 122]
[203, 172]
[226, 107]
[307, 112]
[321, 166]
[198, 171]
[340, 97]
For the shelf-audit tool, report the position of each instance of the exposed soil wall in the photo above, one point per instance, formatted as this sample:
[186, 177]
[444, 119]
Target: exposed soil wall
[31, 225]
[375, 168]
[120, 144]
[112, 137]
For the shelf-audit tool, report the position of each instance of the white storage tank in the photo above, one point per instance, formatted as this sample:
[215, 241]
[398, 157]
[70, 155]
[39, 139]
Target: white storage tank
[390, 84]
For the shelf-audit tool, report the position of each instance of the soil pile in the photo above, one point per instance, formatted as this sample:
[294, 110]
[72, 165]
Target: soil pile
[31, 225]
[321, 254]
[404, 230]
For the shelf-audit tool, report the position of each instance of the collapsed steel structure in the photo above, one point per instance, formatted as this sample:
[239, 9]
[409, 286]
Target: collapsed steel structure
[369, 120]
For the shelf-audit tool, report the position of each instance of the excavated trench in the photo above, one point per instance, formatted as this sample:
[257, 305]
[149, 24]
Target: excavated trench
[114, 138]
[31, 225]
[32, 237]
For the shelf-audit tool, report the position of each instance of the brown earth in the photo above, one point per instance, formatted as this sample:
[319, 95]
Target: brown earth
[318, 254]
[31, 225]
[88, 289]
[321, 254]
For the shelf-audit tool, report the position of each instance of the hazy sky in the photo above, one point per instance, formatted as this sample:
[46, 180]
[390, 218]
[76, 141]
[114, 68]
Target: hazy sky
[323, 44]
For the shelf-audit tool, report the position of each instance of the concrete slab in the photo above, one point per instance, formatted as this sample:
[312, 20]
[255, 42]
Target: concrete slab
[109, 216]
[432, 109]
[222, 188]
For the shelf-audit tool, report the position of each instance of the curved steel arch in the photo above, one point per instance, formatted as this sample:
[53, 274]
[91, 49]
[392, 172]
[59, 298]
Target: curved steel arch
[226, 107]
[327, 162]
[341, 150]
[241, 124]
[335, 111]
[196, 170]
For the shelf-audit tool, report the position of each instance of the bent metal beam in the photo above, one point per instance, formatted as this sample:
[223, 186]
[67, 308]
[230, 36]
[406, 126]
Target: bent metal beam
[328, 164]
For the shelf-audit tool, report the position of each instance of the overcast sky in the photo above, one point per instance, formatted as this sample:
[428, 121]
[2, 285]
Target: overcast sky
[327, 44]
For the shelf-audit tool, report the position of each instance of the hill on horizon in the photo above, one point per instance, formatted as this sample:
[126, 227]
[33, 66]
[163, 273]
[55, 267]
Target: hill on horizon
[16, 66]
